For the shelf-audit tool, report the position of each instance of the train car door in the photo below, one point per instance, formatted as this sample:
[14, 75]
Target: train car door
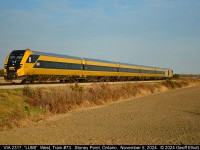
[83, 73]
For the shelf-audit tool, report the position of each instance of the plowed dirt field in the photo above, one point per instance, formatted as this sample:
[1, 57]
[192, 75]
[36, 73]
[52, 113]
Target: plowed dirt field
[164, 118]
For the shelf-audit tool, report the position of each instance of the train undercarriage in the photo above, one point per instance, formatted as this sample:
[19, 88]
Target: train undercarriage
[70, 79]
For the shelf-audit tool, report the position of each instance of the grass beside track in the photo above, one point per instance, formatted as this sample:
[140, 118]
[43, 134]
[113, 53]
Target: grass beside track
[20, 107]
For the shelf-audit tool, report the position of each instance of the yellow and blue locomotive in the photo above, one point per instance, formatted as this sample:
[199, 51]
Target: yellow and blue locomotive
[30, 66]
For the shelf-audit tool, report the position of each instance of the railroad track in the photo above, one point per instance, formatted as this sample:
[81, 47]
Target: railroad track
[39, 84]
[56, 84]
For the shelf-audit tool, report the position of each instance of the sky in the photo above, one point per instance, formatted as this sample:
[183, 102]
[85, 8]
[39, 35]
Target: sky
[160, 33]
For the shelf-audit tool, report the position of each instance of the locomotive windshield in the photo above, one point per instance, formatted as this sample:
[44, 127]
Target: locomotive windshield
[16, 55]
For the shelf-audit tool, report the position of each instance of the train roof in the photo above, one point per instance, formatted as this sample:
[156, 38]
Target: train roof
[73, 57]
[99, 60]
[90, 59]
[140, 65]
[56, 55]
[128, 64]
[152, 67]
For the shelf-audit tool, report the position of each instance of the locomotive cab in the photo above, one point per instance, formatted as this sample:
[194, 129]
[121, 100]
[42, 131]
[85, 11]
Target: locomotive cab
[18, 65]
[15, 64]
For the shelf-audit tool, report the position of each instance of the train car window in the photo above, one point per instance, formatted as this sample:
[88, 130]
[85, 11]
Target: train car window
[35, 58]
[159, 72]
[152, 72]
[101, 68]
[29, 59]
[58, 65]
[32, 58]
[128, 70]
[145, 71]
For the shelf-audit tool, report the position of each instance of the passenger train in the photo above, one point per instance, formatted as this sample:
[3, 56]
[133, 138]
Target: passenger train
[29, 66]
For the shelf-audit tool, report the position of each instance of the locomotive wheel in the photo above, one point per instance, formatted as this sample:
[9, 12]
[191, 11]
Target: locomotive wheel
[23, 81]
[31, 81]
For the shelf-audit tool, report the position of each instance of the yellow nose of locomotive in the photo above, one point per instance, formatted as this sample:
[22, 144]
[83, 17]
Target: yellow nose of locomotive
[13, 65]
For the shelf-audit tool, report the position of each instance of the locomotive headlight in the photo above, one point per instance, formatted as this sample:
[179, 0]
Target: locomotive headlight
[5, 66]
